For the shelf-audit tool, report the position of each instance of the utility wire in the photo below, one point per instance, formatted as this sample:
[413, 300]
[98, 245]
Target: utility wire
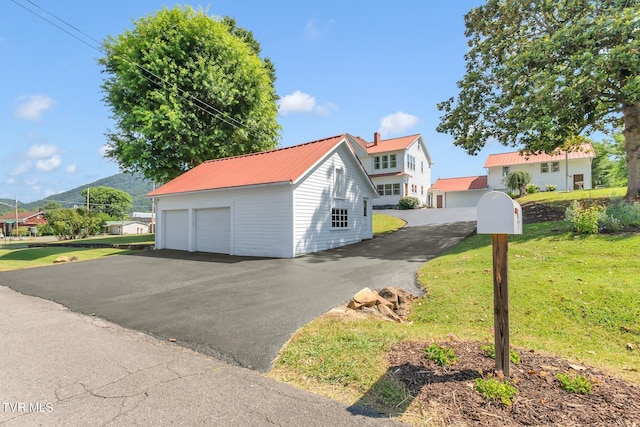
[183, 94]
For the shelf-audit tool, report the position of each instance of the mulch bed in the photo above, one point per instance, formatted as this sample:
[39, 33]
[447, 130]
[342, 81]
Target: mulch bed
[537, 212]
[540, 400]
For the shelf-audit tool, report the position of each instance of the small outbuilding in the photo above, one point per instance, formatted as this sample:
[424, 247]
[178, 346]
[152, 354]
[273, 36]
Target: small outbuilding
[280, 203]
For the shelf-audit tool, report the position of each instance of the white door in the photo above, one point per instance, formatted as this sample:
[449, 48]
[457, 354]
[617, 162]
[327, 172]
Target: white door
[213, 230]
[176, 229]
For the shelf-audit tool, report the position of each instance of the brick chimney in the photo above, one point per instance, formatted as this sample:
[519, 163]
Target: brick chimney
[376, 138]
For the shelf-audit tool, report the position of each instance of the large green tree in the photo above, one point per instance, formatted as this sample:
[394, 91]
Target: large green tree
[113, 202]
[542, 73]
[184, 88]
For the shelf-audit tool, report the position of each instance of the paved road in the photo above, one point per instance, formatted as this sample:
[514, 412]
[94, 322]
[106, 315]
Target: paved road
[241, 310]
[61, 368]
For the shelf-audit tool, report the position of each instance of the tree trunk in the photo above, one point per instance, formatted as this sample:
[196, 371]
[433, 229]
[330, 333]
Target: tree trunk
[631, 131]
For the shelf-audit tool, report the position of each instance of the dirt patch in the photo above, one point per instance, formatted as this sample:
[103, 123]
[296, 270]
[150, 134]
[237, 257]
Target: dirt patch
[540, 399]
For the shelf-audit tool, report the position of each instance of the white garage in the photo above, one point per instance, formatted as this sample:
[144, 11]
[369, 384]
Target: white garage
[280, 203]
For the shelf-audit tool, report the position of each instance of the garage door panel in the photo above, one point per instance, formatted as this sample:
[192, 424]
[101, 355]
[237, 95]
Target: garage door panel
[213, 230]
[176, 229]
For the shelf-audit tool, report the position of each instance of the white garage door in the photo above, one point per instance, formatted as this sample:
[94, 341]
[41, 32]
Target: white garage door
[213, 230]
[176, 229]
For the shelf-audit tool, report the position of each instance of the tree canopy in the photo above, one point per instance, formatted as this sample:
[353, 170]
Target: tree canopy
[184, 88]
[542, 73]
[110, 201]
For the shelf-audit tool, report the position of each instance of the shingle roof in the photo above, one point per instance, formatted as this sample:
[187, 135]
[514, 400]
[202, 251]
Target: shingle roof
[268, 167]
[460, 184]
[518, 158]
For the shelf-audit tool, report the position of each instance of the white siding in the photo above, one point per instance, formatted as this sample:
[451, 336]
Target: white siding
[261, 218]
[421, 176]
[462, 199]
[560, 178]
[314, 198]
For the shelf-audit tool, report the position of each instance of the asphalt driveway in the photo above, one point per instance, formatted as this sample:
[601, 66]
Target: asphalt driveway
[241, 310]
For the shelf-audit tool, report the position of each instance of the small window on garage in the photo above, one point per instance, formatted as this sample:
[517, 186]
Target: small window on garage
[339, 218]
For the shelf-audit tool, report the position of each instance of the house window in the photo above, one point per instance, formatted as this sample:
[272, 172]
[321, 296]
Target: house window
[422, 190]
[339, 218]
[339, 185]
[376, 162]
[505, 170]
[544, 167]
[411, 162]
[392, 161]
[555, 166]
[421, 167]
[414, 188]
[364, 203]
[388, 189]
[385, 162]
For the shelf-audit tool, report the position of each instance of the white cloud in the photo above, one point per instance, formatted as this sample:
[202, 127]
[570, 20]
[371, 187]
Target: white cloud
[297, 102]
[397, 123]
[47, 165]
[71, 169]
[300, 102]
[313, 31]
[42, 151]
[31, 107]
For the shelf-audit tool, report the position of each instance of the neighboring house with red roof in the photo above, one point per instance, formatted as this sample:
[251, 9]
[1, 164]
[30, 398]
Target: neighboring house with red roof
[458, 192]
[280, 203]
[31, 220]
[398, 167]
[566, 170]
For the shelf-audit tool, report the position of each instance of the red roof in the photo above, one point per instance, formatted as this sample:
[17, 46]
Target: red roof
[268, 167]
[394, 144]
[460, 184]
[24, 217]
[518, 157]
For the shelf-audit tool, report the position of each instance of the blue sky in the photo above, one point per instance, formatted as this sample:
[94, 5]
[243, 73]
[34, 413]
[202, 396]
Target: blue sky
[342, 66]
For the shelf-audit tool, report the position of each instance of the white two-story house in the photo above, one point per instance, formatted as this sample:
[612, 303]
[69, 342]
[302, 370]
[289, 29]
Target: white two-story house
[565, 170]
[398, 167]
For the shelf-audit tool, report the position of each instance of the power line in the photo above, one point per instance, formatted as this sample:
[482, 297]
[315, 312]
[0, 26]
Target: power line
[183, 94]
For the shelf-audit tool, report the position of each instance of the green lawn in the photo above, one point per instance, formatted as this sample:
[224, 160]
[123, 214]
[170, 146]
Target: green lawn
[385, 223]
[570, 296]
[16, 256]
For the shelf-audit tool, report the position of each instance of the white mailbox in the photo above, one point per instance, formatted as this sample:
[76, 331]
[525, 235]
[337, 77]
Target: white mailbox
[499, 214]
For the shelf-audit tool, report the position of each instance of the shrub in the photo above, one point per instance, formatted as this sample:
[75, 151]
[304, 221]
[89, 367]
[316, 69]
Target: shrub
[551, 187]
[574, 383]
[585, 219]
[496, 389]
[441, 355]
[490, 351]
[532, 188]
[409, 202]
[627, 214]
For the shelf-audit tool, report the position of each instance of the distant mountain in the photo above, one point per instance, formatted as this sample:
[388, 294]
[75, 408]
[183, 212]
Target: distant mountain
[134, 184]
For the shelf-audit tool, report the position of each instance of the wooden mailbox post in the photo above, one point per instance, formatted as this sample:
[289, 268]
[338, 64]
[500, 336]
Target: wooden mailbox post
[500, 215]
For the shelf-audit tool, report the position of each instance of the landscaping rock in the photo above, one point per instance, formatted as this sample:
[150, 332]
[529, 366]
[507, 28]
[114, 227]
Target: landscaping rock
[391, 303]
[366, 297]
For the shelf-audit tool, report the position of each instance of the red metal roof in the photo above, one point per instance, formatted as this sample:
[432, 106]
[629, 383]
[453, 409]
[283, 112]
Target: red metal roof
[517, 157]
[394, 144]
[460, 184]
[268, 167]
